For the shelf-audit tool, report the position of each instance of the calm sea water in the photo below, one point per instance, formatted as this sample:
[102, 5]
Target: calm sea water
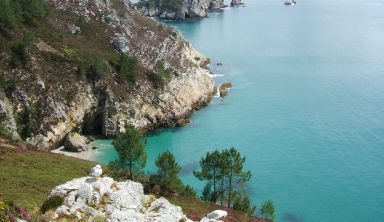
[306, 109]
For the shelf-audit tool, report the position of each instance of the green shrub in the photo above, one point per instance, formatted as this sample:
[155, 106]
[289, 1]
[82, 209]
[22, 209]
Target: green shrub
[8, 13]
[97, 68]
[70, 53]
[2, 79]
[20, 51]
[188, 192]
[18, 55]
[128, 69]
[52, 203]
[81, 68]
[33, 10]
[11, 84]
[14, 12]
[160, 74]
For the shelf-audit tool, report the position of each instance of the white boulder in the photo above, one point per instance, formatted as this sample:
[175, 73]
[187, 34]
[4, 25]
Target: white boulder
[86, 198]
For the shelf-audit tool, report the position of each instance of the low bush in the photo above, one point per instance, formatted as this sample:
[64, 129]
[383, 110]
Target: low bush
[128, 69]
[70, 53]
[97, 68]
[160, 75]
[51, 203]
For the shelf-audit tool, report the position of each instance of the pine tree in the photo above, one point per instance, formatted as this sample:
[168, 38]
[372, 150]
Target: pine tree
[130, 146]
[168, 170]
[242, 203]
[236, 174]
[210, 171]
[268, 210]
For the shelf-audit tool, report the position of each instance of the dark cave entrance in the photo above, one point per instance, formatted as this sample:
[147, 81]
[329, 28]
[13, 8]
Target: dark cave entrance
[93, 125]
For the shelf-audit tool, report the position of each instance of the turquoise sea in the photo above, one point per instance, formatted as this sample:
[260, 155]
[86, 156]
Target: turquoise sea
[306, 109]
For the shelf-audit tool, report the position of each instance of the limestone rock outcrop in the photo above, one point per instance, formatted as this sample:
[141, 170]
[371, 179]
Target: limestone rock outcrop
[236, 3]
[76, 142]
[187, 9]
[216, 5]
[7, 121]
[88, 198]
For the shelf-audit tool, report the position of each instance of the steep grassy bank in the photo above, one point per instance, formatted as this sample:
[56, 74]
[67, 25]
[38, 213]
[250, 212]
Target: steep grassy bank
[27, 176]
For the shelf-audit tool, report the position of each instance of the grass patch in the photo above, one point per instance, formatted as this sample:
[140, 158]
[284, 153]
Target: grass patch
[27, 177]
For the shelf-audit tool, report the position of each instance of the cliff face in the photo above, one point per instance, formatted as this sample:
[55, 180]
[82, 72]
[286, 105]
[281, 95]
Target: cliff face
[216, 5]
[184, 9]
[236, 3]
[51, 99]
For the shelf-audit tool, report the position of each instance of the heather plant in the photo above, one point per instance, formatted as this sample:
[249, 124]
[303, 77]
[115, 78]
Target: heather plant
[10, 212]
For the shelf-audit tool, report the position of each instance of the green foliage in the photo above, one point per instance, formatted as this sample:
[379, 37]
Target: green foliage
[268, 210]
[160, 74]
[225, 177]
[210, 171]
[9, 211]
[128, 69]
[11, 84]
[97, 68]
[4, 130]
[70, 53]
[235, 163]
[52, 203]
[18, 55]
[130, 148]
[33, 10]
[2, 79]
[207, 193]
[81, 68]
[14, 12]
[83, 24]
[188, 192]
[242, 203]
[168, 169]
[8, 13]
[20, 51]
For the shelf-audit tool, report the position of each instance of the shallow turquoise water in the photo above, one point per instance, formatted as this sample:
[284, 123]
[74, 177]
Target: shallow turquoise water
[307, 107]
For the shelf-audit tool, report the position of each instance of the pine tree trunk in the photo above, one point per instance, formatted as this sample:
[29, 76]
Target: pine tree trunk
[214, 186]
[230, 189]
[222, 192]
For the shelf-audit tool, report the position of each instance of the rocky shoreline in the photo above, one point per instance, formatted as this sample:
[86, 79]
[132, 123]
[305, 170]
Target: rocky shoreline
[186, 10]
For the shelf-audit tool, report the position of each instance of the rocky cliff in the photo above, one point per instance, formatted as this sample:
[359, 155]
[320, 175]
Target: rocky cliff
[51, 98]
[236, 3]
[216, 5]
[174, 10]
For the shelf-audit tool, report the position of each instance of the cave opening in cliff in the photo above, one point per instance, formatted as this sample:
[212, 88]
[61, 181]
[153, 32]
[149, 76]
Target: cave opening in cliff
[93, 125]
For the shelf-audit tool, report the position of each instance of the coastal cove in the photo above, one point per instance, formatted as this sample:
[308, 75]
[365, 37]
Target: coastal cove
[306, 108]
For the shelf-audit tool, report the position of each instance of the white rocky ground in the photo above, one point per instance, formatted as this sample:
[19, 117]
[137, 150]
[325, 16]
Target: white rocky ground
[89, 199]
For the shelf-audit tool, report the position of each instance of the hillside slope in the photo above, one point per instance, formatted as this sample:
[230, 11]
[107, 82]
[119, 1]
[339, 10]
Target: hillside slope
[54, 94]
[26, 180]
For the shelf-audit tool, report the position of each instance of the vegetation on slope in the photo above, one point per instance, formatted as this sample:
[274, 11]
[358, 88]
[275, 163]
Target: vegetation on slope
[29, 175]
